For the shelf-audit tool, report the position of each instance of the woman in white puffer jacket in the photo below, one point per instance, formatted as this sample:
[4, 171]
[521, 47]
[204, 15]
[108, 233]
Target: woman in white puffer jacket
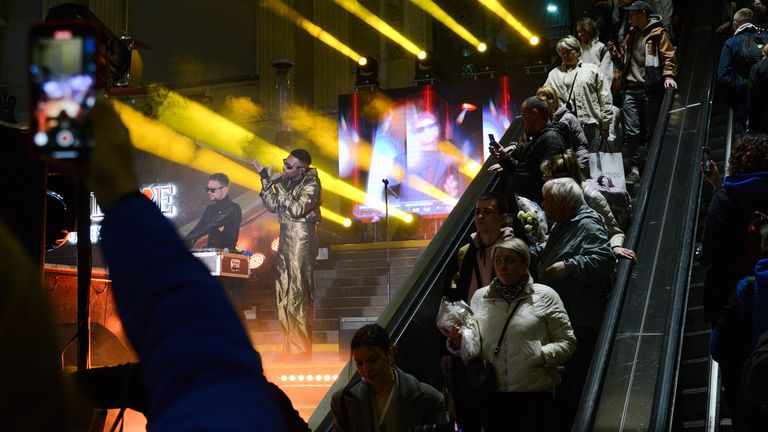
[539, 338]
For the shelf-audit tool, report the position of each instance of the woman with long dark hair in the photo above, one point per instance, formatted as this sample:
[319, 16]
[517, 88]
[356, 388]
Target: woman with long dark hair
[386, 398]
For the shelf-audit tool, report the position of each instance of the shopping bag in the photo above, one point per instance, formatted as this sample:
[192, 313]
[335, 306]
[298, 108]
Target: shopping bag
[609, 164]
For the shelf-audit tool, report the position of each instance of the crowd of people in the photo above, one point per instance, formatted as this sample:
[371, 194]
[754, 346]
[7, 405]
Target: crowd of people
[536, 304]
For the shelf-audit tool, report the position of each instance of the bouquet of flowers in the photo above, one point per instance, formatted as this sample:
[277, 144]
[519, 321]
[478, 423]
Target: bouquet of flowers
[533, 219]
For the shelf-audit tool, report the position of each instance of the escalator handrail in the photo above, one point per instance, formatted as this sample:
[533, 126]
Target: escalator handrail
[590, 395]
[661, 414]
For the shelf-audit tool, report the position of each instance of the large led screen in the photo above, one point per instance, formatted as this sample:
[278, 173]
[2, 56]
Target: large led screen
[427, 142]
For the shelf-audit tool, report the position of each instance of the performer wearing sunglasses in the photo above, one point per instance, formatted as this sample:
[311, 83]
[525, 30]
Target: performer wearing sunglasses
[221, 219]
[295, 196]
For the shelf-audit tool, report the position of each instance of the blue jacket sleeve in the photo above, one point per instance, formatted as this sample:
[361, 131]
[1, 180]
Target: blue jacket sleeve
[725, 73]
[199, 366]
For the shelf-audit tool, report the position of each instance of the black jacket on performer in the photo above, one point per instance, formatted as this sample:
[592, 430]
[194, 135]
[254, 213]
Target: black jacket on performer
[221, 222]
[524, 163]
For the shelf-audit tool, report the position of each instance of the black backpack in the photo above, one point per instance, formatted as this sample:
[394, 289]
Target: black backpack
[751, 52]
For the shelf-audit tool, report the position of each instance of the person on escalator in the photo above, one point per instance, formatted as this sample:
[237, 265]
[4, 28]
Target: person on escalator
[472, 269]
[728, 253]
[524, 330]
[577, 262]
[740, 52]
[386, 398]
[521, 161]
[755, 372]
[648, 65]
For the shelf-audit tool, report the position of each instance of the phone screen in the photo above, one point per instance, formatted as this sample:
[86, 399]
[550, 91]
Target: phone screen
[62, 74]
[706, 158]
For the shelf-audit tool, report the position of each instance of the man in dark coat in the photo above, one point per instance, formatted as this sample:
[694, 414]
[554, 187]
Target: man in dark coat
[523, 162]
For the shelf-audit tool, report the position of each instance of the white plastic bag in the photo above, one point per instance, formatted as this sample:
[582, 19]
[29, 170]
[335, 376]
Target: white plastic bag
[458, 314]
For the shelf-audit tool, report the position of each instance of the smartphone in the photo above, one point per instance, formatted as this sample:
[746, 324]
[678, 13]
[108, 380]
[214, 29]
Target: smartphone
[492, 142]
[706, 158]
[63, 70]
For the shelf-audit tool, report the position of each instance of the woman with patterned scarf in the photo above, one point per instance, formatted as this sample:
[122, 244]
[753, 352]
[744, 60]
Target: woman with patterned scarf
[538, 338]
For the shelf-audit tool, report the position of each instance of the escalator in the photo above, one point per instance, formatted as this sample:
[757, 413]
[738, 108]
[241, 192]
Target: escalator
[652, 370]
[697, 404]
[633, 380]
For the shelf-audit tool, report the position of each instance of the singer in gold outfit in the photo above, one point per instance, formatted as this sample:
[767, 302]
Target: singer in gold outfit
[295, 196]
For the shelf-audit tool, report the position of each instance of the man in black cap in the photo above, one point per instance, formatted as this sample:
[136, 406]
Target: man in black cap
[649, 68]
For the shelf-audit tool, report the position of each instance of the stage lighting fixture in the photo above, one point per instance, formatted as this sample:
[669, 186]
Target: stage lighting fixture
[114, 52]
[367, 73]
[347, 223]
[275, 244]
[479, 64]
[534, 40]
[482, 47]
[551, 8]
[426, 69]
[256, 260]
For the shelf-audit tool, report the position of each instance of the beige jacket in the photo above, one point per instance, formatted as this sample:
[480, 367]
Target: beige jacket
[592, 97]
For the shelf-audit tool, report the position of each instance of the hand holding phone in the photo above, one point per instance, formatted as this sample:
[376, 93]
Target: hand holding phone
[706, 160]
[63, 70]
[495, 148]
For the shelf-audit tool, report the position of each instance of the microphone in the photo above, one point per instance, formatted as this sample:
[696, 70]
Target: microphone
[387, 188]
[276, 178]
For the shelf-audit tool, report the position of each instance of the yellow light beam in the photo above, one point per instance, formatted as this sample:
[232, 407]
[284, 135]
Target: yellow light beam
[425, 187]
[201, 124]
[197, 122]
[499, 10]
[335, 217]
[154, 138]
[439, 14]
[288, 13]
[382, 27]
[468, 166]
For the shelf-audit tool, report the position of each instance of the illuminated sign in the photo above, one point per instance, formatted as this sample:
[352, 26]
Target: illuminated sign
[163, 195]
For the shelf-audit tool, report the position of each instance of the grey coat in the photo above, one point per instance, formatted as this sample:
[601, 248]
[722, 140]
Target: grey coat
[581, 243]
[415, 404]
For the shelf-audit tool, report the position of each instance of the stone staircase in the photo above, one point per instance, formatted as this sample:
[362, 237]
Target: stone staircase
[352, 282]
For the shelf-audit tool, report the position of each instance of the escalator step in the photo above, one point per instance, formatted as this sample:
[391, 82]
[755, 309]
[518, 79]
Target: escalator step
[693, 405]
[696, 345]
[694, 374]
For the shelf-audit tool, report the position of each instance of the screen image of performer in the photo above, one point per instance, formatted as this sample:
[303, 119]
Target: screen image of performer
[295, 196]
[426, 160]
[221, 219]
